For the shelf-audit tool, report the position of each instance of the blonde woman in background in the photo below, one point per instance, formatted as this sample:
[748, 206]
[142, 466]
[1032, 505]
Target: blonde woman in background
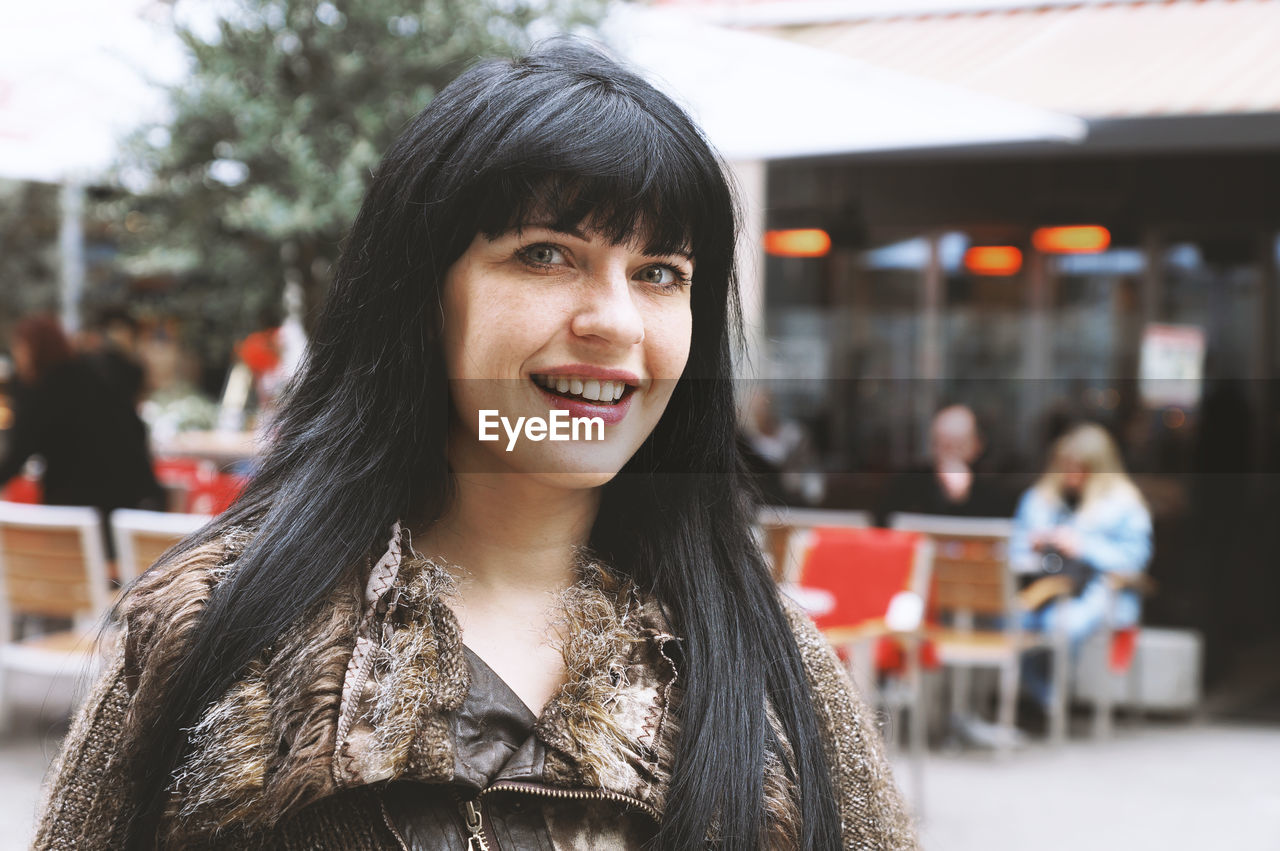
[1084, 516]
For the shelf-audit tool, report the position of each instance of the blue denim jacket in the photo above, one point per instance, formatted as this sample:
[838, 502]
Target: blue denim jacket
[1115, 537]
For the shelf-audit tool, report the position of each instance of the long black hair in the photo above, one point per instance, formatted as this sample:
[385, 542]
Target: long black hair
[360, 440]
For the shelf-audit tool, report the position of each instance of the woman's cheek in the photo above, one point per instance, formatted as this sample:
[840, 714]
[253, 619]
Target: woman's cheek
[672, 350]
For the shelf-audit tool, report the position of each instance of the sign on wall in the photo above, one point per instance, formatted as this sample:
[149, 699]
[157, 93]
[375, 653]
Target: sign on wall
[1172, 365]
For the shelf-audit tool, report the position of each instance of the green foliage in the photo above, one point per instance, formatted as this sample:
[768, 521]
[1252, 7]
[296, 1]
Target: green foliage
[289, 106]
[28, 251]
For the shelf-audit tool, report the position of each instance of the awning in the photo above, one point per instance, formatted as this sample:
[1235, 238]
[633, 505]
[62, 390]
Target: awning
[1104, 60]
[761, 97]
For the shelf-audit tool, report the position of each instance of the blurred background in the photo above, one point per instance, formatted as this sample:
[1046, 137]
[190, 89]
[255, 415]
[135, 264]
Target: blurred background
[971, 228]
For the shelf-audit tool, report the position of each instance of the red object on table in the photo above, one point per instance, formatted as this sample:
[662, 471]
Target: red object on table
[185, 473]
[260, 350]
[24, 489]
[201, 488]
[215, 494]
[1124, 642]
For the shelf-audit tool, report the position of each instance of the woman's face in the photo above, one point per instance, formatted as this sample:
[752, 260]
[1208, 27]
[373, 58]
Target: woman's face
[1074, 475]
[552, 327]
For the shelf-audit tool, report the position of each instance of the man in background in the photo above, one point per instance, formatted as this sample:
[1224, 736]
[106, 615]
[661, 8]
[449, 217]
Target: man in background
[956, 481]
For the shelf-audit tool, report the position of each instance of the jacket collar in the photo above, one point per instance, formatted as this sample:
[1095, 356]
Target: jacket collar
[408, 676]
[363, 688]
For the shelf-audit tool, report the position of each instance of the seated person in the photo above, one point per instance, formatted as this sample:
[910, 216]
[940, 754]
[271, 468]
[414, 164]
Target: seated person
[954, 482]
[1086, 518]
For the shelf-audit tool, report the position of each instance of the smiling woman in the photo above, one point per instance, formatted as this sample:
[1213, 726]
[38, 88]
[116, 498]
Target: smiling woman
[403, 635]
[534, 306]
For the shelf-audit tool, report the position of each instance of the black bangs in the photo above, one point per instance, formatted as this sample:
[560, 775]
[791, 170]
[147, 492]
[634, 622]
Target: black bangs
[575, 151]
[608, 206]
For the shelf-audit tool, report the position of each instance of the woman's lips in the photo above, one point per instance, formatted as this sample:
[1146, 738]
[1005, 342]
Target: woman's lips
[610, 413]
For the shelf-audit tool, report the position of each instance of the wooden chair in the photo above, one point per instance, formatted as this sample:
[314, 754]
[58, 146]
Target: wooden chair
[52, 568]
[141, 537]
[973, 589]
[784, 529]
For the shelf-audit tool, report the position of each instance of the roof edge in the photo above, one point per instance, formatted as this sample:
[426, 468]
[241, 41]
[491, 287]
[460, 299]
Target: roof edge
[735, 13]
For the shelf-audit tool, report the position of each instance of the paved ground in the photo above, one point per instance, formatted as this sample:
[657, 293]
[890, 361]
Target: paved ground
[1160, 787]
[1163, 786]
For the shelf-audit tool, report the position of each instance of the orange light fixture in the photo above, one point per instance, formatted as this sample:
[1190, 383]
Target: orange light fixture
[993, 260]
[1075, 239]
[803, 242]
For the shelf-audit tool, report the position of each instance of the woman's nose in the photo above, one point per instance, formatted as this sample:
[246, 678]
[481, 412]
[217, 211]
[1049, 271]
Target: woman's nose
[608, 311]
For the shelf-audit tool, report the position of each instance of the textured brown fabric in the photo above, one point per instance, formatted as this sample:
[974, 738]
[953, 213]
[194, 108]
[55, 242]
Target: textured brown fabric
[872, 814]
[267, 768]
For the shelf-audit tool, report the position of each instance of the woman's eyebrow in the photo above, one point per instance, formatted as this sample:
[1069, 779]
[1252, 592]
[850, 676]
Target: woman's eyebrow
[571, 230]
[578, 233]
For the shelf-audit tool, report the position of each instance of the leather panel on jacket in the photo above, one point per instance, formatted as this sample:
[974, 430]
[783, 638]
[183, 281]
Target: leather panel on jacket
[492, 734]
[492, 726]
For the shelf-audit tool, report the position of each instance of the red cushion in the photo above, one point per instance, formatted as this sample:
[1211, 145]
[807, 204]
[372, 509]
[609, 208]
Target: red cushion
[862, 568]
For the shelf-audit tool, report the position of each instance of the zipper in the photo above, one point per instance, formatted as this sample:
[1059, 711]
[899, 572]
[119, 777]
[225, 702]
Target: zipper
[473, 818]
[570, 794]
[478, 836]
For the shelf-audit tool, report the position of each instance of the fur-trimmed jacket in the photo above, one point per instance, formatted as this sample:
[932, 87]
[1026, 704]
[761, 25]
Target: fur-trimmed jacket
[368, 725]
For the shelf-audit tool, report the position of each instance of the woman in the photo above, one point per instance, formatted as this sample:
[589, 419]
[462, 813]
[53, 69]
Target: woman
[1084, 518]
[67, 411]
[549, 235]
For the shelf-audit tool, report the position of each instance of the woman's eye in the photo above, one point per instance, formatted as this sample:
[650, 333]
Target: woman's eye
[662, 276]
[545, 255]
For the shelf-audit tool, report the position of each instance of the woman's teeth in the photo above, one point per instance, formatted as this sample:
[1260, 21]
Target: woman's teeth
[592, 389]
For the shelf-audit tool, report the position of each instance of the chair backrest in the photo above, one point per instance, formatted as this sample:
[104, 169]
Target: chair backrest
[863, 569]
[785, 533]
[143, 536]
[971, 573]
[52, 561]
[781, 515]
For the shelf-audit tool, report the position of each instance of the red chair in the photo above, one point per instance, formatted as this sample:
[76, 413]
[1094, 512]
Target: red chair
[872, 579]
[863, 570]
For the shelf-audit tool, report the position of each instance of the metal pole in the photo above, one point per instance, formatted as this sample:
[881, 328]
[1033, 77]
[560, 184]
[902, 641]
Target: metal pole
[71, 253]
[930, 368]
[1036, 354]
[750, 177]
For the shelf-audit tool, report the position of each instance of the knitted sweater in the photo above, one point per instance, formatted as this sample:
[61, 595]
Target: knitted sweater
[354, 700]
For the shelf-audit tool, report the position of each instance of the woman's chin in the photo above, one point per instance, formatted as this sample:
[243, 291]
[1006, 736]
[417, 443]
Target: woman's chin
[574, 481]
[569, 465]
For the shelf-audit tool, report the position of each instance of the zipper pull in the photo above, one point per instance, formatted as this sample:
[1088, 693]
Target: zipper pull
[475, 827]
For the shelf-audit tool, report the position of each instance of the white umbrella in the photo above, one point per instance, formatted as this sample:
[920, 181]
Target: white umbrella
[759, 97]
[75, 75]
